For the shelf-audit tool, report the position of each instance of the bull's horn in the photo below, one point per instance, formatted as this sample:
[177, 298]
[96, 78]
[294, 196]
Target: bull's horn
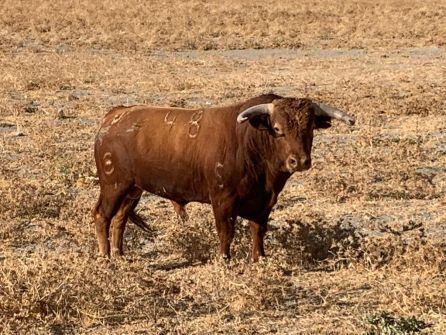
[254, 111]
[334, 113]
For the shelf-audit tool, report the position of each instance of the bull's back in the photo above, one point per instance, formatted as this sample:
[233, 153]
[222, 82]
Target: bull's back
[168, 151]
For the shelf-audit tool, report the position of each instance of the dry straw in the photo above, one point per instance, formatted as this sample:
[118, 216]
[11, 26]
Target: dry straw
[359, 234]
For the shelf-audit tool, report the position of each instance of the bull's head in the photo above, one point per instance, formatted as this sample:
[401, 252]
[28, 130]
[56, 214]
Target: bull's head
[291, 122]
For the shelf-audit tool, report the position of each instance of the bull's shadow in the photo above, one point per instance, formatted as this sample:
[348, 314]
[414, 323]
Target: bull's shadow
[195, 242]
[313, 244]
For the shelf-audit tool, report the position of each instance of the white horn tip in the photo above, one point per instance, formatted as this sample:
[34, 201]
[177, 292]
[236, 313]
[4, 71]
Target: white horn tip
[241, 119]
[350, 120]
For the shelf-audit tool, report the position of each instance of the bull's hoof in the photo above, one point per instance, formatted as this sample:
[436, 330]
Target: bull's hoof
[226, 257]
[102, 257]
[183, 217]
[258, 258]
[117, 253]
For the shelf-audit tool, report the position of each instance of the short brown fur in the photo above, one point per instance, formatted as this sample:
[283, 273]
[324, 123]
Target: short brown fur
[201, 155]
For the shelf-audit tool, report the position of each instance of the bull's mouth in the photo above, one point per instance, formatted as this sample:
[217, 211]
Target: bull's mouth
[298, 169]
[305, 166]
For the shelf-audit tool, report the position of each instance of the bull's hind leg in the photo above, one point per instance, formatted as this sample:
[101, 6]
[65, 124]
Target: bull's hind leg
[120, 219]
[102, 228]
[108, 202]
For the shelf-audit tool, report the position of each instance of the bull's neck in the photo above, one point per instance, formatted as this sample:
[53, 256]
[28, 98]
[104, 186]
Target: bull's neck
[261, 160]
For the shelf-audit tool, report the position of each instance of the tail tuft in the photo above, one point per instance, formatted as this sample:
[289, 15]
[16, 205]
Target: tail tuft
[139, 221]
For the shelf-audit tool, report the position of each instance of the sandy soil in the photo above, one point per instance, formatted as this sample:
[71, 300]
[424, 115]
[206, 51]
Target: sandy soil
[360, 234]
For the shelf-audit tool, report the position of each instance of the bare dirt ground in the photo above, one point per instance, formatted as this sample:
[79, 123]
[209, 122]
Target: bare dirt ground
[361, 234]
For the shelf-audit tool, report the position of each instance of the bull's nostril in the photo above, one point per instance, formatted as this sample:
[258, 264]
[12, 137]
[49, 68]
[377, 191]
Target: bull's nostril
[292, 161]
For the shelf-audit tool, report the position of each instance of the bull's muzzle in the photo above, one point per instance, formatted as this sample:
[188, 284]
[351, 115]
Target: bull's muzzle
[294, 163]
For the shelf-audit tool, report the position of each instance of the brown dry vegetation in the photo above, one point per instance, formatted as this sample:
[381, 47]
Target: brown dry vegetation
[362, 232]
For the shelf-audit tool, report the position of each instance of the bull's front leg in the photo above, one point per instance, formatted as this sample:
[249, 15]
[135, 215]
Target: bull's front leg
[225, 216]
[180, 209]
[258, 231]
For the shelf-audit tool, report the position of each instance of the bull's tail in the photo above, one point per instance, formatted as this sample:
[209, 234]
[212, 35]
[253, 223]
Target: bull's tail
[139, 221]
[95, 210]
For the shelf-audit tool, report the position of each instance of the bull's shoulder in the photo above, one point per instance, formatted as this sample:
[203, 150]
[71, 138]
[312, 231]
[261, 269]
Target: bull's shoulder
[268, 97]
[260, 99]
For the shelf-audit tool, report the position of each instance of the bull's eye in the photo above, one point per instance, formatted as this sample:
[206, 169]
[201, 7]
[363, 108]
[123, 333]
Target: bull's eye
[277, 130]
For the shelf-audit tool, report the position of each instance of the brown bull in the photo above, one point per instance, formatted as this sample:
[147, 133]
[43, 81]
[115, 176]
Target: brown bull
[236, 158]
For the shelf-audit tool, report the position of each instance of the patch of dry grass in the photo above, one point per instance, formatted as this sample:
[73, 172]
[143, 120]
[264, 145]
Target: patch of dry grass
[171, 25]
[361, 233]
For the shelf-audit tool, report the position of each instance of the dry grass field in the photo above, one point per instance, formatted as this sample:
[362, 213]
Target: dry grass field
[356, 245]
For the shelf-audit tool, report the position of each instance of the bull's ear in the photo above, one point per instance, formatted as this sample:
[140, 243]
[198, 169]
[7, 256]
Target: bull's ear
[258, 116]
[322, 122]
[261, 122]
